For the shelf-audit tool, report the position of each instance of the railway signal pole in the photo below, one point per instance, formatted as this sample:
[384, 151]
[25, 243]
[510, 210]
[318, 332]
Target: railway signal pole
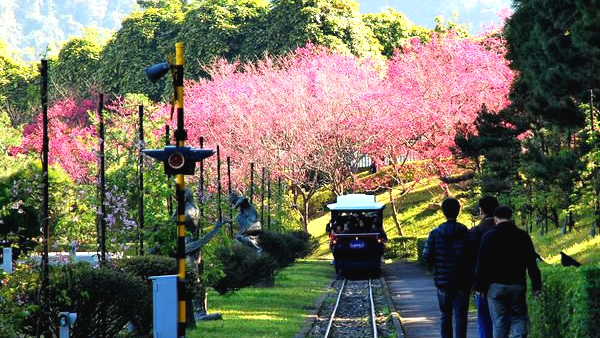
[178, 160]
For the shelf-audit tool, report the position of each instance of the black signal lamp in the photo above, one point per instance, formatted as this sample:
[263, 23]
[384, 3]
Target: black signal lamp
[156, 71]
[179, 160]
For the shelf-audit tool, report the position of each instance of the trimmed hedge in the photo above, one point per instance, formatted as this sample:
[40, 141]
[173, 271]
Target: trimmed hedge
[153, 265]
[569, 306]
[405, 247]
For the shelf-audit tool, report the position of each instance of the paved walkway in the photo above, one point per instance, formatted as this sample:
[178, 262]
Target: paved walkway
[415, 298]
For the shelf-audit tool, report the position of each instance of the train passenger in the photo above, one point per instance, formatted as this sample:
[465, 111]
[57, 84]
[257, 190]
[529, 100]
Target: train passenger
[379, 228]
[331, 229]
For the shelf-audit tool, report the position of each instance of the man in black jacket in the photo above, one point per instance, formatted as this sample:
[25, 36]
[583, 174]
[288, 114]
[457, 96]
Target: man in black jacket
[505, 254]
[487, 205]
[449, 250]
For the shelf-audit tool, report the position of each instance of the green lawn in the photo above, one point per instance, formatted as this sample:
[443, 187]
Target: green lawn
[278, 311]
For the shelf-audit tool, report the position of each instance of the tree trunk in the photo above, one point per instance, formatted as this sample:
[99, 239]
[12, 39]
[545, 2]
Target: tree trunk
[305, 215]
[394, 212]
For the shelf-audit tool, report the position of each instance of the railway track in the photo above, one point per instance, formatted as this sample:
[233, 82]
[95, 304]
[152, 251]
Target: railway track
[354, 313]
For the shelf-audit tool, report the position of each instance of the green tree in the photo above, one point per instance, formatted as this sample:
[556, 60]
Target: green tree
[393, 29]
[74, 71]
[494, 147]
[222, 28]
[145, 38]
[19, 88]
[553, 47]
[336, 24]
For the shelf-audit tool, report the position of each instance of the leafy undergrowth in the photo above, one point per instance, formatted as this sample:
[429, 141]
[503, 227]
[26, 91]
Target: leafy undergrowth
[278, 311]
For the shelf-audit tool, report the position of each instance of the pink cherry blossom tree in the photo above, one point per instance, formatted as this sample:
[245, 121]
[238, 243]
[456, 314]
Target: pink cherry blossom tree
[432, 87]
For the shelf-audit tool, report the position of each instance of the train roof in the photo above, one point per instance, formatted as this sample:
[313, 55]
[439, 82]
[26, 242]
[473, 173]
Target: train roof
[356, 202]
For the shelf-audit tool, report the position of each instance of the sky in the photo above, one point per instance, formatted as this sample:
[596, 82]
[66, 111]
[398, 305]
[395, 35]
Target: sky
[422, 12]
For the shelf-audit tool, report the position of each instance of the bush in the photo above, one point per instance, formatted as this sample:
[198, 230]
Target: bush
[285, 248]
[309, 243]
[152, 265]
[104, 299]
[278, 246]
[420, 246]
[402, 247]
[242, 266]
[570, 303]
[317, 204]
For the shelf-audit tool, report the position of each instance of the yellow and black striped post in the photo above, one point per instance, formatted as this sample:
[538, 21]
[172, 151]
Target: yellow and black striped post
[180, 137]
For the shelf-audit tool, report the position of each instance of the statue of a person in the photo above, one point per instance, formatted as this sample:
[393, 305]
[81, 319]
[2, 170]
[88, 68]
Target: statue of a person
[248, 224]
[193, 253]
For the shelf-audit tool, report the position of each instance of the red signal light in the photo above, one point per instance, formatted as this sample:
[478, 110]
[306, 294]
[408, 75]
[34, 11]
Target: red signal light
[176, 160]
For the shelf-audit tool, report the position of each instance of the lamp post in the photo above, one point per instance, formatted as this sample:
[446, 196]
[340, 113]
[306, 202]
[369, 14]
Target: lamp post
[178, 160]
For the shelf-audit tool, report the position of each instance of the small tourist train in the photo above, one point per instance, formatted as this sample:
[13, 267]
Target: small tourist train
[356, 234]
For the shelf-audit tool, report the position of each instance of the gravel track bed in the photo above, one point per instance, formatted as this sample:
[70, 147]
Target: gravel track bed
[353, 315]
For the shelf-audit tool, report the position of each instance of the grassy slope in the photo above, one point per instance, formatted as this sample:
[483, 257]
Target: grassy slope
[417, 218]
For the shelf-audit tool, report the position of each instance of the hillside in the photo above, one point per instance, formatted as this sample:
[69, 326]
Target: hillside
[418, 217]
[37, 26]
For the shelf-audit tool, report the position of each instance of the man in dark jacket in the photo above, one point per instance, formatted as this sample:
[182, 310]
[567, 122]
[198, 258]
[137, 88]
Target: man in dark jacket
[449, 250]
[505, 254]
[487, 205]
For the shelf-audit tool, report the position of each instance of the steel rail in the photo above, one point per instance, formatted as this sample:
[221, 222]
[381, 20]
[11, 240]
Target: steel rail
[373, 321]
[337, 302]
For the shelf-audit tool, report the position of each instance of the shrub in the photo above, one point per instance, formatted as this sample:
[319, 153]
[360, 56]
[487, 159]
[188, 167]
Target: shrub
[242, 267]
[278, 246]
[309, 243]
[420, 246]
[402, 247]
[570, 303]
[104, 299]
[285, 248]
[317, 204]
[152, 265]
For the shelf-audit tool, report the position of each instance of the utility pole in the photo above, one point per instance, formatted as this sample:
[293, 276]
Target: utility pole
[141, 179]
[178, 160]
[45, 195]
[180, 137]
[102, 183]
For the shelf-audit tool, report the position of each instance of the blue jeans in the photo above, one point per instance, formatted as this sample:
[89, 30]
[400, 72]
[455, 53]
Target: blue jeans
[457, 302]
[508, 308]
[484, 320]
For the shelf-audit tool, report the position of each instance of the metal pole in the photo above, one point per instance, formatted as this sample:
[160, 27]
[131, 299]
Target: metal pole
[168, 142]
[262, 196]
[279, 202]
[251, 182]
[592, 109]
[269, 200]
[180, 137]
[141, 179]
[102, 221]
[229, 191]
[219, 209]
[201, 220]
[45, 195]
